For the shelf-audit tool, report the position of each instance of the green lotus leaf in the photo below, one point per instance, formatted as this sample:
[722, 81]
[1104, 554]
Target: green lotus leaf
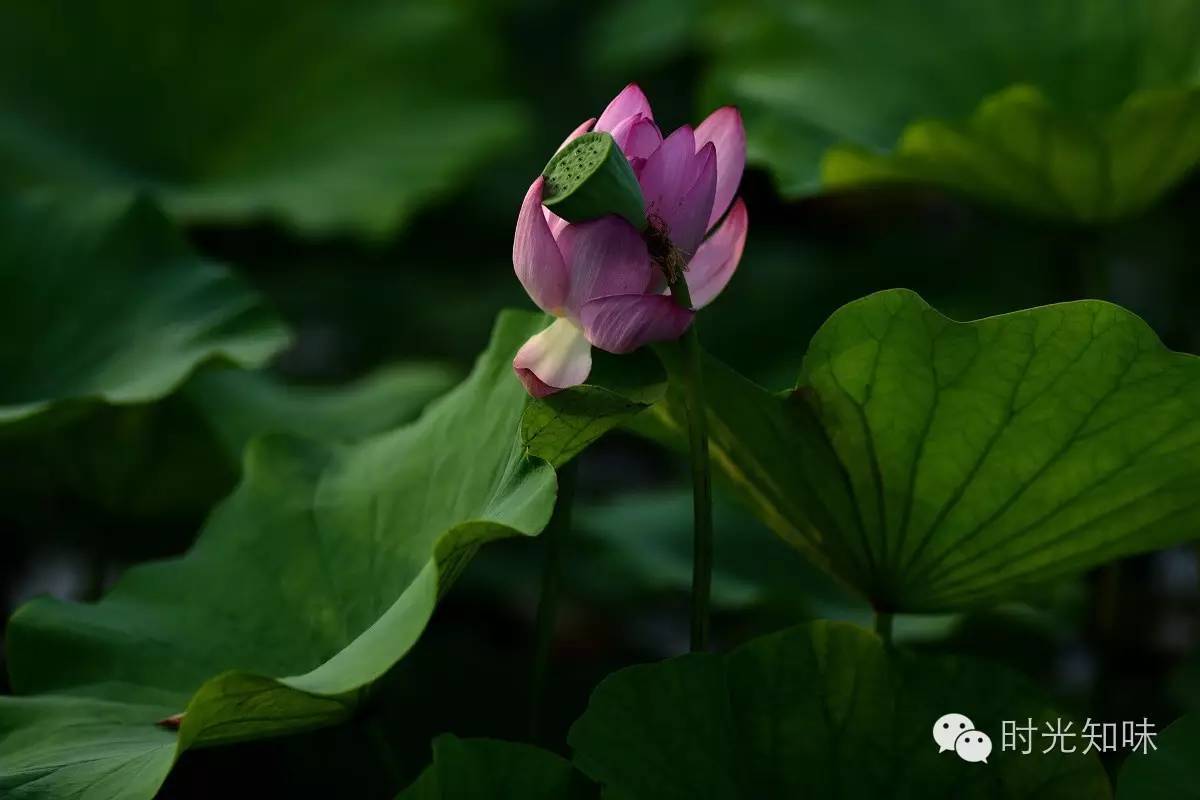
[325, 117]
[560, 426]
[239, 405]
[646, 538]
[104, 302]
[933, 464]
[488, 769]
[1081, 110]
[1018, 150]
[182, 454]
[821, 710]
[1169, 771]
[307, 584]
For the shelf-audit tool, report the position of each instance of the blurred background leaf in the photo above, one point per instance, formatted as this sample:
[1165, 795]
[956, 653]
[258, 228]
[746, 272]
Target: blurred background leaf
[482, 769]
[323, 116]
[1018, 150]
[171, 460]
[240, 405]
[635, 550]
[795, 712]
[1168, 772]
[1107, 126]
[103, 301]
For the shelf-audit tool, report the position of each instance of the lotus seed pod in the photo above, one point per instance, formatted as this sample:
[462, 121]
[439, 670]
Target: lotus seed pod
[590, 178]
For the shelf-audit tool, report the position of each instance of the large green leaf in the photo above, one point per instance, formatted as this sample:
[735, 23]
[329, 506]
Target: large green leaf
[646, 538]
[931, 464]
[1075, 109]
[184, 453]
[307, 584]
[1168, 772]
[823, 710]
[240, 405]
[488, 769]
[559, 427]
[103, 301]
[326, 116]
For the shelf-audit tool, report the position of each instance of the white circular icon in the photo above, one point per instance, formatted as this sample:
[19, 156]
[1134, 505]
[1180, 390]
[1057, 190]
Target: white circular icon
[973, 746]
[948, 728]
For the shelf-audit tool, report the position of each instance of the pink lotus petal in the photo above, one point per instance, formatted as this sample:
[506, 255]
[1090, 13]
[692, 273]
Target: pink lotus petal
[555, 222]
[575, 134]
[718, 257]
[725, 130]
[536, 258]
[605, 256]
[667, 173]
[557, 358]
[533, 385]
[688, 221]
[623, 323]
[637, 136]
[632, 100]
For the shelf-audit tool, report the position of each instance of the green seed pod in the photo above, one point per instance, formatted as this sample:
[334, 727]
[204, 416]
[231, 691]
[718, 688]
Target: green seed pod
[590, 178]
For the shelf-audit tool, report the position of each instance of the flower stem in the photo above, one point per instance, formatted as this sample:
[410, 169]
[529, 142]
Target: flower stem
[547, 612]
[702, 541]
[883, 626]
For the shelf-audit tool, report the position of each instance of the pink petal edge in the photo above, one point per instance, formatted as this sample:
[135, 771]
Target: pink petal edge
[637, 136]
[690, 219]
[629, 101]
[536, 258]
[724, 128]
[718, 257]
[623, 323]
[533, 385]
[556, 358]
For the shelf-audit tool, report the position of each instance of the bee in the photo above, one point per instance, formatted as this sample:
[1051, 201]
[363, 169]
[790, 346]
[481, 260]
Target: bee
[669, 258]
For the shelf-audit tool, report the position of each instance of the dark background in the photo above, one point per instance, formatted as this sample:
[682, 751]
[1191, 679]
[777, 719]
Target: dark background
[1115, 643]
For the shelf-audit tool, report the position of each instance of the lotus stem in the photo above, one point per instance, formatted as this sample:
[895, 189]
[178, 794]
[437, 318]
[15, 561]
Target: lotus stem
[702, 538]
[883, 626]
[548, 601]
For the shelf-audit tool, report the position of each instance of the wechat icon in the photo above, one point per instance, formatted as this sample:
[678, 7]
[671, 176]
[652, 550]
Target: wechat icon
[956, 732]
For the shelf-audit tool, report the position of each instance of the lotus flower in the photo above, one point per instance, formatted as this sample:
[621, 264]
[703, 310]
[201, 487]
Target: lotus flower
[598, 278]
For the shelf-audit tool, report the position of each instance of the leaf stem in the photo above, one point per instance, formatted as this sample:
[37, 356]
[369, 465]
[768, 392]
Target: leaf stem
[883, 626]
[702, 541]
[383, 749]
[547, 612]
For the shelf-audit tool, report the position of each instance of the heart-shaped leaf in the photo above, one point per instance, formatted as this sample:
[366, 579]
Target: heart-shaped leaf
[932, 464]
[307, 584]
[488, 769]
[1083, 110]
[324, 116]
[103, 301]
[823, 710]
[1167, 772]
